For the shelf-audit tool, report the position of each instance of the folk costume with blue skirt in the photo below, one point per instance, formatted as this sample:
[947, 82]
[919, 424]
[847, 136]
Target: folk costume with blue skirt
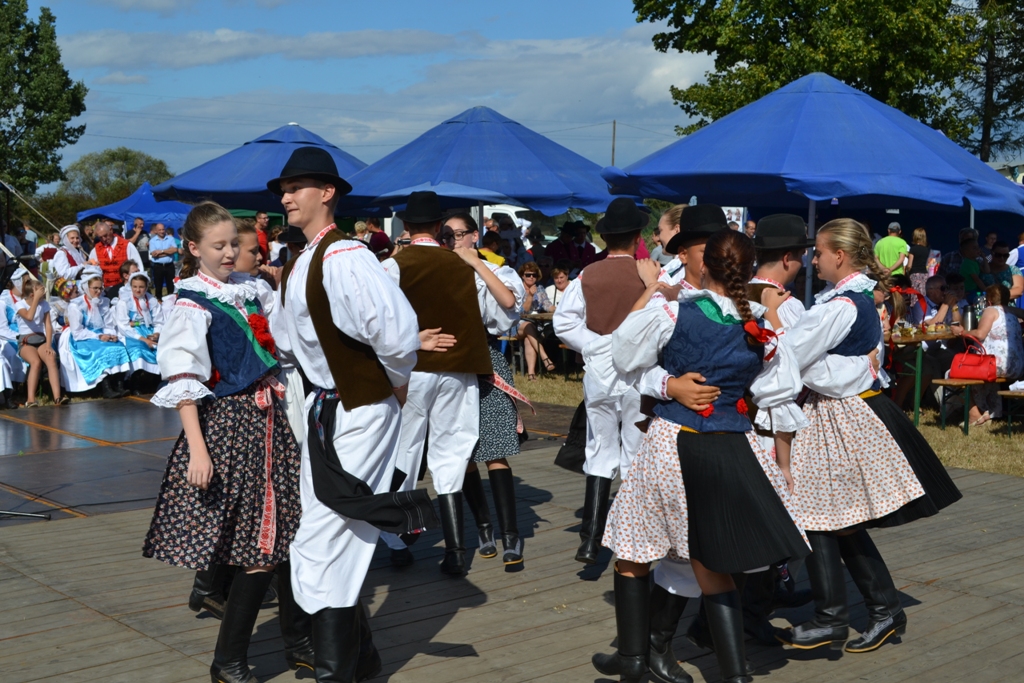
[216, 351]
[136, 320]
[84, 359]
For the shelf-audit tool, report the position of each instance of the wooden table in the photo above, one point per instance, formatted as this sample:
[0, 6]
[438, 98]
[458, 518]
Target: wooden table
[538, 317]
[919, 360]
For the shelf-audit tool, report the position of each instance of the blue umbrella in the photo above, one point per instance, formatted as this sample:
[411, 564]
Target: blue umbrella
[482, 156]
[239, 178]
[819, 139]
[141, 204]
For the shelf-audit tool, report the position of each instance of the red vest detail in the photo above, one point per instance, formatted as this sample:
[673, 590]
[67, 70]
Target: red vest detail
[110, 259]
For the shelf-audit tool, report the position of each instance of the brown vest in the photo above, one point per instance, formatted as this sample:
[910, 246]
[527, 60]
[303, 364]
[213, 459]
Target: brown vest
[442, 290]
[360, 378]
[610, 288]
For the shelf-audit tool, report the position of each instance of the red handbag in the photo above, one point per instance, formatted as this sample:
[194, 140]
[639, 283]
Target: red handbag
[972, 363]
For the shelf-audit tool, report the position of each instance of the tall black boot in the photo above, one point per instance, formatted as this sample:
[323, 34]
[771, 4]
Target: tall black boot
[725, 621]
[632, 623]
[336, 642]
[473, 490]
[595, 512]
[118, 384]
[666, 609]
[757, 603]
[699, 632]
[230, 659]
[886, 617]
[454, 561]
[369, 664]
[831, 622]
[109, 388]
[503, 489]
[207, 591]
[296, 625]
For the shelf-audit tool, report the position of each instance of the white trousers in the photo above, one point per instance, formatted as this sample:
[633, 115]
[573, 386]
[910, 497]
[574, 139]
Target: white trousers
[331, 553]
[447, 405]
[294, 402]
[613, 438]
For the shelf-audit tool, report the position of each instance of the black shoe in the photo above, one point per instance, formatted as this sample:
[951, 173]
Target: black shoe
[296, 625]
[402, 557]
[369, 665]
[476, 499]
[831, 622]
[337, 639]
[206, 591]
[666, 609]
[108, 388]
[230, 659]
[725, 621]
[632, 623]
[454, 562]
[118, 383]
[504, 492]
[886, 617]
[595, 512]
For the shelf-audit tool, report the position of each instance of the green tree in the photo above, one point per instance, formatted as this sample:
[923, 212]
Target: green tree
[994, 92]
[907, 53]
[38, 99]
[112, 175]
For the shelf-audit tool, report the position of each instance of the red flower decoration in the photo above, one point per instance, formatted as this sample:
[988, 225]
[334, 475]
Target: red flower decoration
[741, 407]
[707, 411]
[261, 329]
[214, 379]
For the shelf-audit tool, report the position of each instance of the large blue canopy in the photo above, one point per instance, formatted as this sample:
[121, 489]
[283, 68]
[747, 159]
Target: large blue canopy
[482, 156]
[820, 139]
[238, 179]
[141, 204]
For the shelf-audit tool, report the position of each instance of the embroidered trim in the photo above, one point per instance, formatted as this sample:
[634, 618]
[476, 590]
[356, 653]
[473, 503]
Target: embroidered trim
[858, 282]
[668, 309]
[319, 236]
[664, 387]
[425, 240]
[342, 250]
[185, 303]
[768, 281]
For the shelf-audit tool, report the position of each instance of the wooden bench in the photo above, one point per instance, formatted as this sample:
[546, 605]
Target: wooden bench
[1012, 405]
[954, 387]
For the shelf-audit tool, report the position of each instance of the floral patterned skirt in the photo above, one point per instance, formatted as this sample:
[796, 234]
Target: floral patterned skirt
[499, 417]
[847, 467]
[718, 498]
[222, 525]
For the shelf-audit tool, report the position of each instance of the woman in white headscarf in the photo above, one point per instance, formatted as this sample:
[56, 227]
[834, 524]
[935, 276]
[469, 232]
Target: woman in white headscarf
[70, 259]
[91, 352]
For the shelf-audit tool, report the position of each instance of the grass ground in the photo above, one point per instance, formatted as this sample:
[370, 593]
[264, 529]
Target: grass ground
[552, 388]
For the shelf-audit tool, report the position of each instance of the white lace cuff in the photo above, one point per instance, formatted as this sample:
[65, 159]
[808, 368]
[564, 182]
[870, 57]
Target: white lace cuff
[788, 417]
[178, 391]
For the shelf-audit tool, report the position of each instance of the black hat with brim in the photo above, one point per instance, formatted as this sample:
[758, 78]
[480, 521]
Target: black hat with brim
[622, 216]
[697, 223]
[310, 162]
[782, 231]
[292, 235]
[422, 207]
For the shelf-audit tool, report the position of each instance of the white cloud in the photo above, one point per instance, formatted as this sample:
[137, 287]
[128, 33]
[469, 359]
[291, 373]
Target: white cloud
[121, 78]
[124, 50]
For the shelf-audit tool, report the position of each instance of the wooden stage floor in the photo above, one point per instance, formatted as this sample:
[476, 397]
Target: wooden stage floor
[78, 602]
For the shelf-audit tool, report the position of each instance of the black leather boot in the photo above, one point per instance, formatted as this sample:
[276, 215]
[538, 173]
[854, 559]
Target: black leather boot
[504, 491]
[369, 664]
[595, 512]
[666, 609]
[757, 603]
[118, 383]
[454, 562]
[230, 659]
[109, 388]
[296, 625]
[476, 499]
[336, 642]
[886, 617]
[830, 625]
[207, 591]
[632, 623]
[699, 632]
[725, 621]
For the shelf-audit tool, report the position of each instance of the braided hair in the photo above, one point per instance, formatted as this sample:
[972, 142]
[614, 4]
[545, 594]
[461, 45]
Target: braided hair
[853, 239]
[729, 260]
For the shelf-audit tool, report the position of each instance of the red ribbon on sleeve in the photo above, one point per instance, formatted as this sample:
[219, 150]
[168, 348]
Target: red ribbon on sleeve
[763, 336]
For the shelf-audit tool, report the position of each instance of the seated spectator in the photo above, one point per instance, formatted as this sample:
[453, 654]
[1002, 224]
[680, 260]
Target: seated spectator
[536, 301]
[1002, 273]
[139, 319]
[941, 308]
[127, 269]
[381, 246]
[35, 341]
[91, 352]
[999, 330]
[973, 267]
[951, 262]
[556, 291]
[955, 282]
[361, 230]
[492, 245]
[12, 368]
[48, 249]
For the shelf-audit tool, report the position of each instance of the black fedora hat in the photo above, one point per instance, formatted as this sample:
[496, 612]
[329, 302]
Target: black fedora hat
[782, 231]
[622, 215]
[310, 162]
[572, 226]
[422, 207]
[697, 223]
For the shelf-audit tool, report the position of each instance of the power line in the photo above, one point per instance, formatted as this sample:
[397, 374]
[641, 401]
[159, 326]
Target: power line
[649, 130]
[221, 144]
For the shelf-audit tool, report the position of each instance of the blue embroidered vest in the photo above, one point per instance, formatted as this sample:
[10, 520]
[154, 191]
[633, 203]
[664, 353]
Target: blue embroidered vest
[233, 349]
[720, 352]
[866, 331]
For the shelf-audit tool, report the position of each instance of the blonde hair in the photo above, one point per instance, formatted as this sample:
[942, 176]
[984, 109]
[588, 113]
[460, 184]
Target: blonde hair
[674, 215]
[360, 227]
[854, 240]
[199, 219]
[920, 237]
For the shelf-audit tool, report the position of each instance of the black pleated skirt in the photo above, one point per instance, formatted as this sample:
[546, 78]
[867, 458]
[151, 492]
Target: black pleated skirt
[737, 521]
[939, 489]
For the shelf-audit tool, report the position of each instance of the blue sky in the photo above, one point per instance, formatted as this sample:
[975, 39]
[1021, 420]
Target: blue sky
[185, 80]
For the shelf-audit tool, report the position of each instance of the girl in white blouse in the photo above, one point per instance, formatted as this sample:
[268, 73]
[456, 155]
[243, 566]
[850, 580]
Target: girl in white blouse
[91, 352]
[35, 340]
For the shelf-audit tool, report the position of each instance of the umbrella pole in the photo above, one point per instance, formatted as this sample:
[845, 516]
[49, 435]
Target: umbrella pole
[808, 272]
